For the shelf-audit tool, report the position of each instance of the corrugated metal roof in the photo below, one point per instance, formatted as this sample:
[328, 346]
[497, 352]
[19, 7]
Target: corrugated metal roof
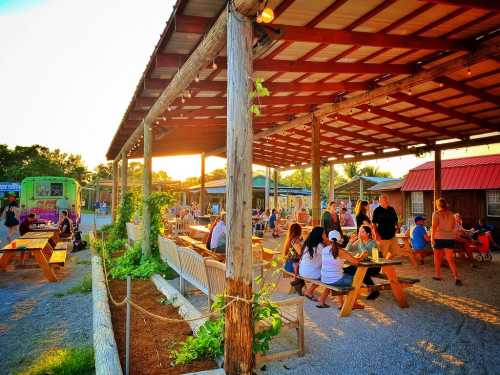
[387, 185]
[474, 173]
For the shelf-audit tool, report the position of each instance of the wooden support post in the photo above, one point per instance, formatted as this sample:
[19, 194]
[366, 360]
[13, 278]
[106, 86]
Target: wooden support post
[331, 185]
[146, 212]
[361, 189]
[275, 177]
[267, 188]
[114, 195]
[437, 175]
[202, 185]
[315, 173]
[124, 176]
[238, 353]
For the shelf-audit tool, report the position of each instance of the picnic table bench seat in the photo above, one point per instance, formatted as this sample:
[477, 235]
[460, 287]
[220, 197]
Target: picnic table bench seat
[402, 280]
[58, 257]
[201, 248]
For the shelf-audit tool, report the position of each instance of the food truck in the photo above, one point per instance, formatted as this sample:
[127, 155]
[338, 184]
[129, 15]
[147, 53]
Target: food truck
[46, 197]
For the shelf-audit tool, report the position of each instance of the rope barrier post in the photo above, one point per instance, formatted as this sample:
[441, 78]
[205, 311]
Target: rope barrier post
[127, 328]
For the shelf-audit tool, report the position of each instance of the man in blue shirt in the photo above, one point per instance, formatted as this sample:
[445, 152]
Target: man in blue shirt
[419, 237]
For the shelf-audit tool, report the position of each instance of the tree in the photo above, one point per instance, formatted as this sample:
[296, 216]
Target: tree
[374, 171]
[36, 160]
[352, 169]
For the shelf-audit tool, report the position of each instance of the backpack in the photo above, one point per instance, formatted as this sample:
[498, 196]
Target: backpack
[10, 218]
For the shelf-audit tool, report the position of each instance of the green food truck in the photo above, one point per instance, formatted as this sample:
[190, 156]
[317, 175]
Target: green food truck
[47, 196]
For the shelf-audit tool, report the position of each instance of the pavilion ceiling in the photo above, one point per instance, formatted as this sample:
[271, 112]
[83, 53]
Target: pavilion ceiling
[320, 52]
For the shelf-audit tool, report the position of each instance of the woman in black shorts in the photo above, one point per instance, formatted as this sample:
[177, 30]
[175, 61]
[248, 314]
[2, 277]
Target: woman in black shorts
[443, 239]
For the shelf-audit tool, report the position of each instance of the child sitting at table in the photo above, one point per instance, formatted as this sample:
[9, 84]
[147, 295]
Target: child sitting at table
[292, 249]
[25, 226]
[65, 225]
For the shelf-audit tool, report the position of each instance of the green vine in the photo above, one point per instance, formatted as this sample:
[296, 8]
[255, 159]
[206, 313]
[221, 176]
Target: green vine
[124, 215]
[209, 342]
[260, 90]
[157, 203]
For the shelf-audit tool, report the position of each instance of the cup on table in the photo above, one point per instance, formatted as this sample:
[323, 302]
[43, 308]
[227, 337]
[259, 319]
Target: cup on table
[13, 244]
[375, 254]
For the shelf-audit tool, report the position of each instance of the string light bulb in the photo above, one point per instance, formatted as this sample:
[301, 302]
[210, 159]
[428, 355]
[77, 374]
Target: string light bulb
[214, 65]
[183, 100]
[409, 91]
[266, 16]
[197, 78]
[469, 72]
[188, 94]
[169, 108]
[387, 99]
[441, 84]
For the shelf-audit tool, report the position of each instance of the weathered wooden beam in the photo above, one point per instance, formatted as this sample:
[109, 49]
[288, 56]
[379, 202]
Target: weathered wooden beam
[114, 195]
[493, 5]
[437, 175]
[202, 184]
[356, 135]
[206, 50]
[276, 192]
[315, 171]
[482, 53]
[470, 90]
[239, 331]
[331, 182]
[146, 190]
[273, 87]
[124, 176]
[331, 36]
[192, 24]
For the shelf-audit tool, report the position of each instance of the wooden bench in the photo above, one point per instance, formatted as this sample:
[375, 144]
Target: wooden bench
[406, 249]
[201, 248]
[291, 310]
[58, 257]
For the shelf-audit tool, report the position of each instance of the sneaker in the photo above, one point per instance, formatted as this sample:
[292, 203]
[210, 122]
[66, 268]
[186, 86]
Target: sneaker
[458, 282]
[373, 295]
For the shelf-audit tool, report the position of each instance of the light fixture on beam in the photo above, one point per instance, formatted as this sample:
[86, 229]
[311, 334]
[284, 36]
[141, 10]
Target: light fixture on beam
[197, 78]
[214, 65]
[266, 15]
[183, 100]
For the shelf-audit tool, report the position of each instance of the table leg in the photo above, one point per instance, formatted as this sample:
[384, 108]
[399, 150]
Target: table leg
[44, 265]
[354, 293]
[5, 259]
[397, 290]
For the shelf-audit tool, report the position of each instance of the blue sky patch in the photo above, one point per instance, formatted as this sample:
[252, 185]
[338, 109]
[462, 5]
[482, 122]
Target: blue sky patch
[17, 5]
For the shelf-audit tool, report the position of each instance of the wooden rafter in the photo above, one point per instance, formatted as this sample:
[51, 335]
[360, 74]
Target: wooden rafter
[493, 5]
[467, 89]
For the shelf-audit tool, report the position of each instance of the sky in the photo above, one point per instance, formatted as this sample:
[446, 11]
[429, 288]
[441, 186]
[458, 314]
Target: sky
[68, 70]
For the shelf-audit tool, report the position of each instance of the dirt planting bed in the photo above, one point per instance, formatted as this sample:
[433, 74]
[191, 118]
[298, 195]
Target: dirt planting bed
[152, 340]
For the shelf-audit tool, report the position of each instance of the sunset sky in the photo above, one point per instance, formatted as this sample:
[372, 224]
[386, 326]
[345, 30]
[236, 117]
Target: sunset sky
[68, 70]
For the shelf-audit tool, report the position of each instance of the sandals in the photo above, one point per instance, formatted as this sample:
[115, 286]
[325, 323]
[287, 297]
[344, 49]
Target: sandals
[323, 306]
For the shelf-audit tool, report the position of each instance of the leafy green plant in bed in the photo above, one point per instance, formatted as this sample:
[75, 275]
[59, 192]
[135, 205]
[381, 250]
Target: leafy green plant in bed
[157, 203]
[124, 215]
[209, 341]
[134, 264]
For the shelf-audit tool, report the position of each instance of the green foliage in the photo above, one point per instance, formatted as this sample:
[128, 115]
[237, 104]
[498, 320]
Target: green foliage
[124, 215]
[157, 203]
[108, 228]
[260, 90]
[68, 361]
[36, 160]
[209, 341]
[134, 264]
[83, 287]
[354, 169]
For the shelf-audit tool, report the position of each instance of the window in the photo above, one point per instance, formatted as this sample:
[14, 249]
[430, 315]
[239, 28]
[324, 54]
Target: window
[48, 189]
[417, 202]
[493, 203]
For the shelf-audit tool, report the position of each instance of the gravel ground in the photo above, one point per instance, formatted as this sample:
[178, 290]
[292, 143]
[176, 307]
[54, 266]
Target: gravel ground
[34, 319]
[446, 330]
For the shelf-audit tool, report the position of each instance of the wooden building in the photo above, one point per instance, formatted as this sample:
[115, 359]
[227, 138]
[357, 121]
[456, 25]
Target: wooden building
[470, 185]
[391, 188]
[350, 80]
[360, 188]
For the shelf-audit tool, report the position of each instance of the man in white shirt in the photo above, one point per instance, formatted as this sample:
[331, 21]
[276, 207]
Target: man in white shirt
[218, 234]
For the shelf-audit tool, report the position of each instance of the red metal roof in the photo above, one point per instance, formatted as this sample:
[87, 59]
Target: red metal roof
[473, 173]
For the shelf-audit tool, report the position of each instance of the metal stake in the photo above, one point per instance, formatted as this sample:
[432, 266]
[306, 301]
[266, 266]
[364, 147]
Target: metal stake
[127, 328]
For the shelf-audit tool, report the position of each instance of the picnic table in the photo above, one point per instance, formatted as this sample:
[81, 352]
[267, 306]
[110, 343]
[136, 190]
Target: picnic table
[44, 228]
[205, 230]
[39, 247]
[388, 269]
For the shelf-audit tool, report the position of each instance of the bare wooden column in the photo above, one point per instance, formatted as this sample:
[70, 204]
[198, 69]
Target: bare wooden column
[331, 185]
[238, 352]
[275, 177]
[114, 196]
[124, 176]
[437, 175]
[315, 173]
[202, 184]
[267, 188]
[146, 212]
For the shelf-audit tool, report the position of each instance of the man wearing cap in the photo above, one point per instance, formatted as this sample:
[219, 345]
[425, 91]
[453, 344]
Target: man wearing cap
[419, 238]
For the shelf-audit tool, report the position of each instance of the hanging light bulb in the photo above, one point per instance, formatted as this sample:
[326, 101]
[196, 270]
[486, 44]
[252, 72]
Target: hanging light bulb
[197, 78]
[183, 100]
[387, 99]
[369, 107]
[441, 84]
[214, 65]
[469, 73]
[169, 108]
[189, 94]
[267, 15]
[409, 91]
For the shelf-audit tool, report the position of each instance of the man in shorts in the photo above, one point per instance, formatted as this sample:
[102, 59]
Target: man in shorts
[385, 223]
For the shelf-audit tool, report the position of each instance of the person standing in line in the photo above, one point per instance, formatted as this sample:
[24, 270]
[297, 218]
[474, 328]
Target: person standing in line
[11, 215]
[443, 235]
[385, 223]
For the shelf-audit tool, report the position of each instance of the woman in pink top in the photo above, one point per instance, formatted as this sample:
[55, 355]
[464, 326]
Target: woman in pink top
[443, 235]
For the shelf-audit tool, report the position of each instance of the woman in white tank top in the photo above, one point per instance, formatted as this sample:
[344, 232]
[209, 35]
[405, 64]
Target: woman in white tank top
[310, 261]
